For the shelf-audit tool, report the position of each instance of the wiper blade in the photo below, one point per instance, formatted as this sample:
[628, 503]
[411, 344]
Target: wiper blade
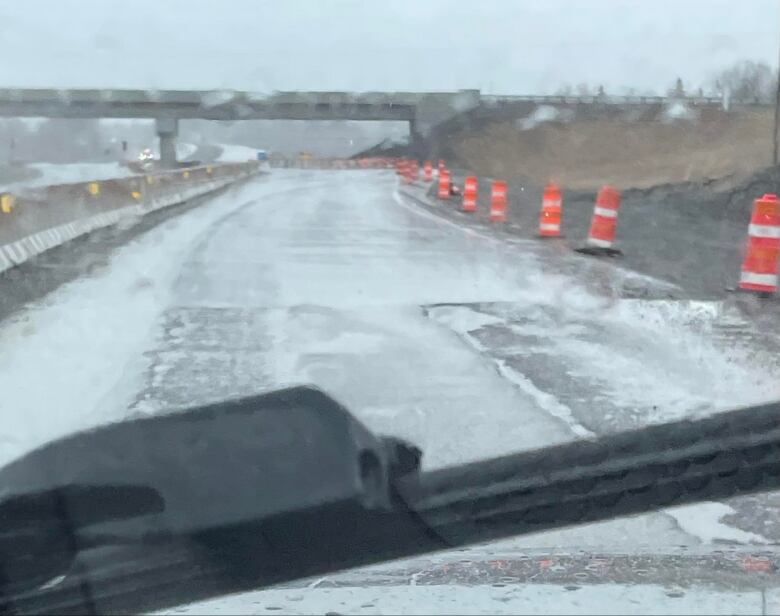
[666, 465]
[388, 510]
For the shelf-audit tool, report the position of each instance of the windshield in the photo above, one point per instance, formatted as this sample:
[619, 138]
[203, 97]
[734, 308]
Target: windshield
[482, 228]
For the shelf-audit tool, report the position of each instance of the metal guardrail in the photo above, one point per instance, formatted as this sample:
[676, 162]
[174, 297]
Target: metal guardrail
[619, 100]
[36, 219]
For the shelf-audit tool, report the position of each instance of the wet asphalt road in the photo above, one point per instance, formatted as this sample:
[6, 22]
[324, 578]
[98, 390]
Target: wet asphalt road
[470, 345]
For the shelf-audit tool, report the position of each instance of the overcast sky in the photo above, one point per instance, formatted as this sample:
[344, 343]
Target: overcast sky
[499, 46]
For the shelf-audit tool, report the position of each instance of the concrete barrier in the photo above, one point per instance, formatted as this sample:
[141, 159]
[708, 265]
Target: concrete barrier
[283, 162]
[40, 218]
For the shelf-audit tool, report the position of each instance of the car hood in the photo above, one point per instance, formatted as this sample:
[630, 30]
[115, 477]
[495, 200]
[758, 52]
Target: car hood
[732, 580]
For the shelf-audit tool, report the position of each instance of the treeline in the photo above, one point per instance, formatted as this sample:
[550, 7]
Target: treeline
[744, 81]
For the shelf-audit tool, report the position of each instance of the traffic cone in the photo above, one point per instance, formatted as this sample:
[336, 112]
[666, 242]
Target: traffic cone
[444, 184]
[603, 225]
[470, 194]
[498, 201]
[552, 212]
[759, 269]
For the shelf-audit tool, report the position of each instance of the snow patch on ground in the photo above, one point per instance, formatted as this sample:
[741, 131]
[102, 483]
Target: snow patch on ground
[703, 520]
[542, 114]
[236, 153]
[678, 110]
[681, 338]
[61, 359]
[462, 319]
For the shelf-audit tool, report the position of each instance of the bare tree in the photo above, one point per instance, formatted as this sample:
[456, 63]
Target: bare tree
[583, 89]
[747, 81]
[678, 91]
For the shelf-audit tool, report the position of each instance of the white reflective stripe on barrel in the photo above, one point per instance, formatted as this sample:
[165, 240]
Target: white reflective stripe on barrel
[547, 226]
[764, 231]
[600, 243]
[606, 213]
[769, 280]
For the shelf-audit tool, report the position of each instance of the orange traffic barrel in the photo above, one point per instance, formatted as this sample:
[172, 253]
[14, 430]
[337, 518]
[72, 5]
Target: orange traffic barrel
[552, 212]
[759, 268]
[444, 184]
[498, 201]
[603, 225]
[428, 171]
[470, 194]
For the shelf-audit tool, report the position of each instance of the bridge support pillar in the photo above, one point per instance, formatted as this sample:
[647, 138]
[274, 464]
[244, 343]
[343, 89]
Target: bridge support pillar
[416, 142]
[167, 131]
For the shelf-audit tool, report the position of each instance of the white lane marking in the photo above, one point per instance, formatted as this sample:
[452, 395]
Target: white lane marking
[546, 401]
[398, 196]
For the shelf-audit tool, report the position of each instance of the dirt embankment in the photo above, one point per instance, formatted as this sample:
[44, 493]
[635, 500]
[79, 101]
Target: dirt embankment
[587, 153]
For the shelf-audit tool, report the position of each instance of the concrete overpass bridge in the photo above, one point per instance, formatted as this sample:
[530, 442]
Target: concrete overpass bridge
[422, 110]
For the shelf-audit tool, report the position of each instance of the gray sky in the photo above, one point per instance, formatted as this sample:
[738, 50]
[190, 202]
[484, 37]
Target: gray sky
[499, 46]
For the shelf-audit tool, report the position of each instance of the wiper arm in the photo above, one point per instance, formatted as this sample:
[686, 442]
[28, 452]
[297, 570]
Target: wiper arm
[387, 509]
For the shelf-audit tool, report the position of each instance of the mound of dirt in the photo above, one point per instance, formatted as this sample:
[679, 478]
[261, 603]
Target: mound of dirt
[587, 153]
[690, 234]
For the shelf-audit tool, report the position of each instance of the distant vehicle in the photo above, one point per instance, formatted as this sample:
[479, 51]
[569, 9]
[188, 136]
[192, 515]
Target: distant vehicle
[262, 155]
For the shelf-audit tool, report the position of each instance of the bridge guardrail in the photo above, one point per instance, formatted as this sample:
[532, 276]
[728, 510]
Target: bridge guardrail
[284, 162]
[620, 100]
[36, 219]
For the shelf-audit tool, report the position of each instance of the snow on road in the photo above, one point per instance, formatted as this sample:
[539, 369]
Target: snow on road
[321, 277]
[236, 153]
[61, 360]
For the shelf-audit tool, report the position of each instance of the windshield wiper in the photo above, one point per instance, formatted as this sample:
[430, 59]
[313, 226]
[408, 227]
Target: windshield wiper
[248, 493]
